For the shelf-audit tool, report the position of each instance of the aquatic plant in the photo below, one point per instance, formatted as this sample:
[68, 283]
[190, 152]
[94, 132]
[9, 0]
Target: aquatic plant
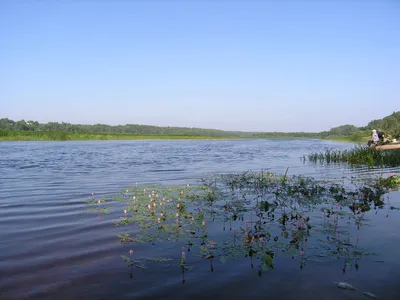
[361, 155]
[96, 204]
[260, 216]
[391, 181]
[132, 263]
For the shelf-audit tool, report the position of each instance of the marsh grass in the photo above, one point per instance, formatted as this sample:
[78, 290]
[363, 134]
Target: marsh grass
[15, 135]
[360, 155]
[8, 135]
[259, 215]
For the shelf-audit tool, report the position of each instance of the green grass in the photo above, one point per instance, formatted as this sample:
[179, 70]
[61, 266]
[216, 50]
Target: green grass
[361, 155]
[76, 136]
[339, 138]
[355, 137]
[47, 135]
[12, 135]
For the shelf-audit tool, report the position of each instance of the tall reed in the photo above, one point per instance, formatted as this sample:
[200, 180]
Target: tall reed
[361, 155]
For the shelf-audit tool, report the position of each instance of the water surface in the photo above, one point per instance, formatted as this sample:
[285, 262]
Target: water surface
[51, 249]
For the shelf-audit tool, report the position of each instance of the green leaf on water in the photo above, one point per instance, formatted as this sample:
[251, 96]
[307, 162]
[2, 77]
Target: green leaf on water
[125, 238]
[99, 210]
[267, 260]
[126, 258]
[187, 267]
[140, 266]
[159, 259]
[252, 253]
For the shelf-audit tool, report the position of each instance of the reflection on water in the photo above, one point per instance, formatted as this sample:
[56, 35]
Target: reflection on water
[54, 249]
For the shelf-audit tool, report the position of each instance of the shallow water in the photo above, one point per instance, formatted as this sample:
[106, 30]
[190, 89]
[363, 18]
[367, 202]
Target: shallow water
[52, 249]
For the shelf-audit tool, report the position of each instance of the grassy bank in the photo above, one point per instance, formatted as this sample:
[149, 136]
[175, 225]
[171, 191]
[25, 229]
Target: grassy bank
[361, 155]
[77, 136]
[12, 135]
[359, 137]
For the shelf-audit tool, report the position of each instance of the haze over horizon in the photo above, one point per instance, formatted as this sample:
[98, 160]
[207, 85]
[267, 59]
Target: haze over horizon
[232, 65]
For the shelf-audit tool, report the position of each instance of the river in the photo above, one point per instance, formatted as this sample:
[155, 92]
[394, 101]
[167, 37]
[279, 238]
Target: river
[52, 249]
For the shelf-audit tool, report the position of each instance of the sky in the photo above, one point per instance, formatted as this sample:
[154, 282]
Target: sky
[232, 65]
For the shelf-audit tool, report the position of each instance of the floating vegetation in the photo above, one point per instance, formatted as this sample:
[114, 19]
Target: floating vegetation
[98, 210]
[132, 263]
[96, 205]
[258, 216]
[159, 259]
[390, 182]
[125, 238]
[361, 155]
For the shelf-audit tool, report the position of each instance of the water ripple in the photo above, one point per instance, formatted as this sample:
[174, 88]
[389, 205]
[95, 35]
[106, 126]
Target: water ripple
[51, 247]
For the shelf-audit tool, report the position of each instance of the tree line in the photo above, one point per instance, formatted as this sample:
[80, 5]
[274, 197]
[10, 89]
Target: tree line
[390, 124]
[22, 125]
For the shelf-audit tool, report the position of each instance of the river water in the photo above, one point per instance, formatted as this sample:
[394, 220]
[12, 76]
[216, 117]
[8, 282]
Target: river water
[52, 249]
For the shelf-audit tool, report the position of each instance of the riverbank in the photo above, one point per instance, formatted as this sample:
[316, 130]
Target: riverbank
[81, 136]
[347, 138]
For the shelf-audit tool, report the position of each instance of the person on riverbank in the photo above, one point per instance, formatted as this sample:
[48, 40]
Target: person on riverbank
[381, 136]
[374, 138]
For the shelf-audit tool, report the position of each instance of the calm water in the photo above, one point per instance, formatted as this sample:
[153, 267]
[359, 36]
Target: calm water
[51, 249]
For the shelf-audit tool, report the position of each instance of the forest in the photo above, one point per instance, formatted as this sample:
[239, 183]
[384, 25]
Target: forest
[389, 124]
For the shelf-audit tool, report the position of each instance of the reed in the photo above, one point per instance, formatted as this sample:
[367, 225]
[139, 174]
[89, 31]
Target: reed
[361, 155]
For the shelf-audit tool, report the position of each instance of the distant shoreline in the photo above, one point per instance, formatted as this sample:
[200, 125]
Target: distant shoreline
[14, 136]
[86, 136]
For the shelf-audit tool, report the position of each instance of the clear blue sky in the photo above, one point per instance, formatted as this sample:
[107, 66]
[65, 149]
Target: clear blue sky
[234, 65]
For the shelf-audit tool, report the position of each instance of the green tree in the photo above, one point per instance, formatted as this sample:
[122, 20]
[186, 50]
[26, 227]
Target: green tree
[21, 125]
